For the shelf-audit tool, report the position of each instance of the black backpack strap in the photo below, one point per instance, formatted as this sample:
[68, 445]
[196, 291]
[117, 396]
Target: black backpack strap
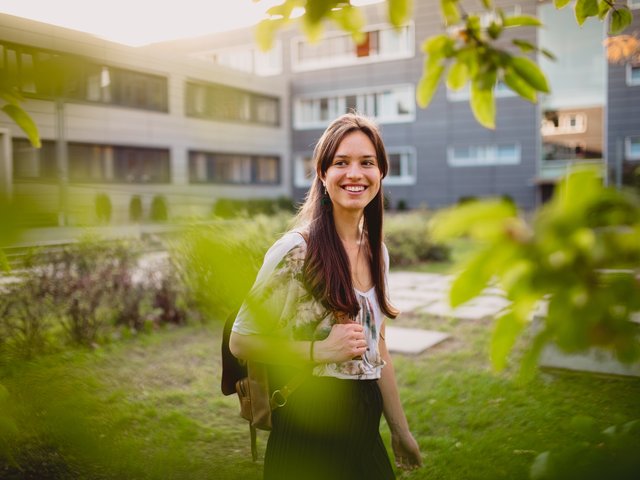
[232, 368]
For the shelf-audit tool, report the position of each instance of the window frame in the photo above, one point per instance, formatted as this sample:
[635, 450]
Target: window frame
[337, 104]
[409, 165]
[481, 161]
[344, 61]
[630, 67]
[627, 147]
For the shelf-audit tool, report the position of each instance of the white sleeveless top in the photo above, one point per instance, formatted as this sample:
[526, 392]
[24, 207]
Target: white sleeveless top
[279, 305]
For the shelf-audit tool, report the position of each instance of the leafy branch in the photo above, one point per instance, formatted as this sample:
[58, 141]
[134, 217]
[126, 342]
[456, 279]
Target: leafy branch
[579, 256]
[470, 48]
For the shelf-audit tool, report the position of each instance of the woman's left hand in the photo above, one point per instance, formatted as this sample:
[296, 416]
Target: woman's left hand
[406, 451]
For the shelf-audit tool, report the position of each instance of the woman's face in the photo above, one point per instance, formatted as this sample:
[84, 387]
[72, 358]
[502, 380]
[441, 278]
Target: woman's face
[353, 177]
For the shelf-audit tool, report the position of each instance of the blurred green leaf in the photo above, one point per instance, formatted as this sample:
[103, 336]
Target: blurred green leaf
[621, 18]
[475, 218]
[458, 75]
[265, 32]
[519, 86]
[561, 3]
[471, 281]
[429, 82]
[524, 45]
[522, 21]
[24, 121]
[351, 20]
[505, 333]
[437, 45]
[400, 11]
[483, 105]
[586, 9]
[603, 8]
[530, 73]
[547, 54]
[450, 11]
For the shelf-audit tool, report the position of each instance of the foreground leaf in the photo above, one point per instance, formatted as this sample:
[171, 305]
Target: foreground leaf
[429, 82]
[529, 71]
[400, 11]
[483, 105]
[621, 18]
[586, 9]
[24, 121]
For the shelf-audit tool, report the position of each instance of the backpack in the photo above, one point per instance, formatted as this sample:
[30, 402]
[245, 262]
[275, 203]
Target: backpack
[250, 381]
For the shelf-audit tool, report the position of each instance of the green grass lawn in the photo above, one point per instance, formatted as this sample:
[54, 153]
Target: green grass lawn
[151, 408]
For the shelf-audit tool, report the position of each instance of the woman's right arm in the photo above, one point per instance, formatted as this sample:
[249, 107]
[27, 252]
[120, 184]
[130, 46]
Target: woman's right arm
[345, 341]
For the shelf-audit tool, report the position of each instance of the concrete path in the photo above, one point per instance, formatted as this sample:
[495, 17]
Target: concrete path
[427, 293]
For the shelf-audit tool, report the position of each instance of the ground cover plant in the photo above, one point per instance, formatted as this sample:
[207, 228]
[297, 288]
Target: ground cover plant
[150, 408]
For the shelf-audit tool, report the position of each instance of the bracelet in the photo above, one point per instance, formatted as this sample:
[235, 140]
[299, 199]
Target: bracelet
[311, 351]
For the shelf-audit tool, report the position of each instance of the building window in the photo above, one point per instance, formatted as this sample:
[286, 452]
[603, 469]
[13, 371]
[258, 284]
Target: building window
[634, 3]
[381, 43]
[247, 59]
[220, 102]
[500, 91]
[32, 70]
[633, 73]
[34, 163]
[554, 123]
[402, 166]
[89, 163]
[483, 155]
[632, 148]
[385, 104]
[231, 168]
[304, 171]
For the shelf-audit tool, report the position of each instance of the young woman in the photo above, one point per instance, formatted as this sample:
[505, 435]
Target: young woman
[319, 303]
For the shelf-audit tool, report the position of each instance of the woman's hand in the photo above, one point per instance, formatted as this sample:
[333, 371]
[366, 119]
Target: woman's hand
[345, 341]
[406, 451]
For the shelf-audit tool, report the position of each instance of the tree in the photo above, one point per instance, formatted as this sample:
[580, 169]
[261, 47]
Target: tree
[470, 50]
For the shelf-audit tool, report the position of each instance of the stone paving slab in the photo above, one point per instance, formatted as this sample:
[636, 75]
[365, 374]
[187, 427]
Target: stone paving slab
[412, 341]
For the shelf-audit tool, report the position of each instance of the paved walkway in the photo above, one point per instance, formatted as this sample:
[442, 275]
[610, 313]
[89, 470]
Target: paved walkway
[427, 293]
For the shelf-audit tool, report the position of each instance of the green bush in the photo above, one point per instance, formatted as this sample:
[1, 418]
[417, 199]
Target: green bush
[85, 294]
[218, 262]
[159, 210]
[103, 208]
[234, 208]
[135, 208]
[409, 240]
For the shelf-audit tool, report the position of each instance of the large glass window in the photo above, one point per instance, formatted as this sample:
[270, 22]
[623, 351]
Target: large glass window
[633, 73]
[48, 74]
[247, 59]
[220, 102]
[382, 43]
[385, 104]
[34, 163]
[232, 168]
[483, 155]
[633, 148]
[91, 163]
[402, 166]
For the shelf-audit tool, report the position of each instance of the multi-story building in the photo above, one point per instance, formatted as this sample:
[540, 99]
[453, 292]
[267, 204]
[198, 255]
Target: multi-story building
[127, 122]
[247, 121]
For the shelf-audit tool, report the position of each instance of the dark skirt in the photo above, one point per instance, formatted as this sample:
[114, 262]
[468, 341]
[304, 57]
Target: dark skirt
[329, 429]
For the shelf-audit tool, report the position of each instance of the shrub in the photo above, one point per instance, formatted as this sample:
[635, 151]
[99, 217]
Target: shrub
[135, 208]
[218, 262]
[234, 208]
[159, 210]
[86, 292]
[103, 208]
[409, 241]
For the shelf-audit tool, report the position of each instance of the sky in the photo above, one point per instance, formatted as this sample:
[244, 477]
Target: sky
[139, 22]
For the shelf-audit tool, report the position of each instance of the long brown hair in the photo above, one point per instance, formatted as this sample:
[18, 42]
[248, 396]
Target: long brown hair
[326, 270]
